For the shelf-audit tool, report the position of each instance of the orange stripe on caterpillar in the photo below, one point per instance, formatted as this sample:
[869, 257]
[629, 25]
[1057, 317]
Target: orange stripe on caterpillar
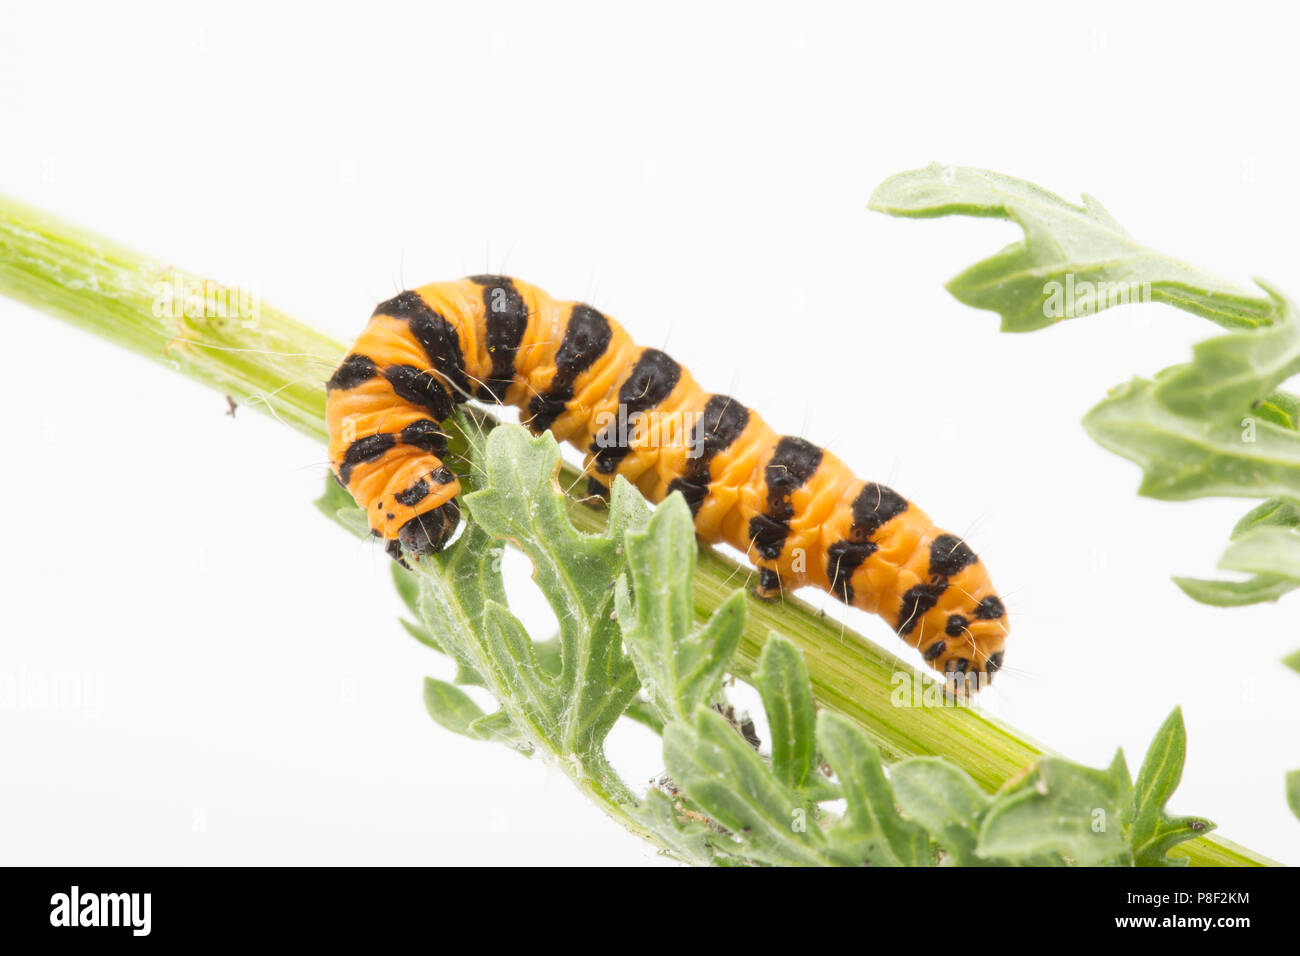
[796, 510]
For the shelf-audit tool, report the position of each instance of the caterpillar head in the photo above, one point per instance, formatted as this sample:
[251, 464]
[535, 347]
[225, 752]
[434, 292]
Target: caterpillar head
[427, 533]
[969, 651]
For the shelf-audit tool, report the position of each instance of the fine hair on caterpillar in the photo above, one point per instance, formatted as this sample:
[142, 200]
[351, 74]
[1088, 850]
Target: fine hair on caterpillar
[796, 511]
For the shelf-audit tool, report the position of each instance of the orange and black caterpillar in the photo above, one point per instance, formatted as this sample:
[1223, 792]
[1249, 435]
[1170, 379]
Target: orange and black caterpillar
[795, 509]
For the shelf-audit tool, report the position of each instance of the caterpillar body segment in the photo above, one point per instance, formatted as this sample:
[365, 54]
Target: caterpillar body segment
[796, 510]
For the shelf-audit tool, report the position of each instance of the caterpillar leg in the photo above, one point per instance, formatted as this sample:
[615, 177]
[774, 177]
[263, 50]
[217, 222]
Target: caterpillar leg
[769, 585]
[394, 550]
[596, 491]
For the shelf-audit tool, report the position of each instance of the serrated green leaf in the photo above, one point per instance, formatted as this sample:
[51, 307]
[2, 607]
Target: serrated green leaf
[872, 831]
[452, 708]
[1184, 458]
[1215, 426]
[576, 573]
[513, 660]
[455, 587]
[728, 781]
[783, 683]
[1058, 807]
[945, 801]
[1074, 260]
[1231, 373]
[1149, 829]
[680, 666]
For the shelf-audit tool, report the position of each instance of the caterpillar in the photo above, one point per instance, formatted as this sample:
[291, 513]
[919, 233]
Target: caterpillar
[796, 510]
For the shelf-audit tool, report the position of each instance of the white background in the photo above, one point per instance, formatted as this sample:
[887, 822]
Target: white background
[700, 175]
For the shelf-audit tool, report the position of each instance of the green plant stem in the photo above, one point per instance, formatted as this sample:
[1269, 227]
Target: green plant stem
[266, 360]
[280, 365]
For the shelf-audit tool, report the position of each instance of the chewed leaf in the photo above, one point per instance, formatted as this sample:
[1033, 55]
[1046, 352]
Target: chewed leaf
[519, 501]
[1075, 260]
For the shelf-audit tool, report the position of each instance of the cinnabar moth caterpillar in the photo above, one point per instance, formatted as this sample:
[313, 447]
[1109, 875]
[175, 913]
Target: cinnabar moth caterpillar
[795, 509]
